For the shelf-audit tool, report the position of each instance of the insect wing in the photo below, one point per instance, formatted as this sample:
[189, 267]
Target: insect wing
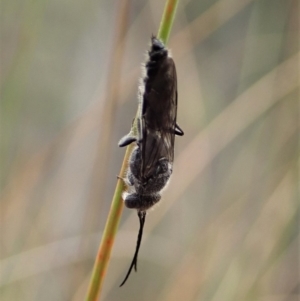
[159, 117]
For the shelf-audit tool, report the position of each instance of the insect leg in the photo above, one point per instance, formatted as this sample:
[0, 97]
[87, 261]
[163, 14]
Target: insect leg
[178, 130]
[126, 140]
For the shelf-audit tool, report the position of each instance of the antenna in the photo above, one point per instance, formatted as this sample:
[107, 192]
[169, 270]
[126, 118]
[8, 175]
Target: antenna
[142, 218]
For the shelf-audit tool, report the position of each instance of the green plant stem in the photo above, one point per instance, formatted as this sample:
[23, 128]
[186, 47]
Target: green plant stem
[108, 236]
[167, 20]
[114, 216]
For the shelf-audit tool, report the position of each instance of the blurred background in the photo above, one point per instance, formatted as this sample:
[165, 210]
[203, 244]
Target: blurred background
[228, 225]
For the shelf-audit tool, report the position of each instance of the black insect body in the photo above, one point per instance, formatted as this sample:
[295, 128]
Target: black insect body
[145, 190]
[151, 162]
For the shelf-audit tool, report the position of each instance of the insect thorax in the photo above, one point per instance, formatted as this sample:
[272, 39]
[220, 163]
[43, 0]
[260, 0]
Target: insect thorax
[147, 183]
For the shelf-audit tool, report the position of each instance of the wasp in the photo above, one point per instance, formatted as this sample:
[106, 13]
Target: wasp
[151, 161]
